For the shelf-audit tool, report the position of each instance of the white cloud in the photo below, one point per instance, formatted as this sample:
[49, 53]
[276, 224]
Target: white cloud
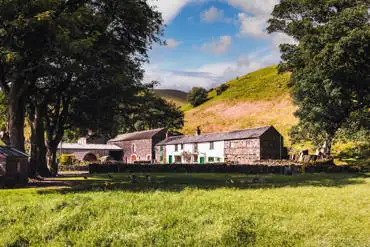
[172, 43]
[252, 25]
[211, 75]
[255, 7]
[220, 46]
[213, 15]
[169, 9]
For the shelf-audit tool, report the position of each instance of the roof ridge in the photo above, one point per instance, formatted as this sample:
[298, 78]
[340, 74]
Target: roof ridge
[226, 132]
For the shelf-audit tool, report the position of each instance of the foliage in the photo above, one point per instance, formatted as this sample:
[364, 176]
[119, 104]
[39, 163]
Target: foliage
[67, 159]
[76, 62]
[3, 112]
[197, 96]
[330, 63]
[221, 89]
[305, 210]
[147, 110]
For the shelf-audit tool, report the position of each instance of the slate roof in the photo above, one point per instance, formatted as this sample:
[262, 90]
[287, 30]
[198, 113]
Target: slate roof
[11, 152]
[140, 135]
[223, 136]
[77, 146]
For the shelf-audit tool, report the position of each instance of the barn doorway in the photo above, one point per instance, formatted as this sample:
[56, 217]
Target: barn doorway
[90, 157]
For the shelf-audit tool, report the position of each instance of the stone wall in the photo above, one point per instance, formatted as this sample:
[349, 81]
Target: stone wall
[272, 144]
[159, 153]
[143, 150]
[160, 136]
[242, 151]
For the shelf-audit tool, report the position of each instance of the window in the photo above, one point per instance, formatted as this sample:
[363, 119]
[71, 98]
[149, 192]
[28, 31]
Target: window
[195, 158]
[178, 159]
[218, 159]
[182, 146]
[161, 148]
[211, 145]
[211, 159]
[161, 158]
[133, 148]
[176, 147]
[195, 147]
[148, 157]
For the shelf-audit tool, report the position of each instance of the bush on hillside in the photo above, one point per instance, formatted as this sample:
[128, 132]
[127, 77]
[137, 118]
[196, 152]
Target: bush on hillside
[197, 96]
[221, 89]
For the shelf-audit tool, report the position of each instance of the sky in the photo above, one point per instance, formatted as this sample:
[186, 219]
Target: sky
[210, 42]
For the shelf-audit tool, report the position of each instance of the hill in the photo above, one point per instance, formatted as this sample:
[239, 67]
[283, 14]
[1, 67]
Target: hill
[176, 96]
[256, 99]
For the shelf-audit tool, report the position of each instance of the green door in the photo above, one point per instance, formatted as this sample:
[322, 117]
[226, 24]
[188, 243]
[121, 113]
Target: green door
[170, 159]
[202, 160]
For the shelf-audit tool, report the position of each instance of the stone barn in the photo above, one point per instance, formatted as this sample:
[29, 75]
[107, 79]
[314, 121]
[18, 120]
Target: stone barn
[241, 146]
[90, 152]
[13, 166]
[139, 146]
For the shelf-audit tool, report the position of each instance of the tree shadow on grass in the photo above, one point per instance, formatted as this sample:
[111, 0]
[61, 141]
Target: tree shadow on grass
[175, 182]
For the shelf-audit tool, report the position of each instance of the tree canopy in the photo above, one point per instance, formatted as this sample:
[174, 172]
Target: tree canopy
[330, 63]
[197, 96]
[63, 61]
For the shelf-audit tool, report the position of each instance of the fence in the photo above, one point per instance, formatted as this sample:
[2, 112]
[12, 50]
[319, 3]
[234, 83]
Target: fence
[219, 168]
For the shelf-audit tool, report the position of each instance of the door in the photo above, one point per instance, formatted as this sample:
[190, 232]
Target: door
[202, 160]
[133, 158]
[170, 159]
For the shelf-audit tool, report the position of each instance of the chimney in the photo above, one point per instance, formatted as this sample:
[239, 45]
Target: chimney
[198, 132]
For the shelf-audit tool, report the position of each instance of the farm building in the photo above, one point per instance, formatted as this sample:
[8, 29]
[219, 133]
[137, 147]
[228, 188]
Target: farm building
[13, 166]
[139, 146]
[241, 146]
[90, 152]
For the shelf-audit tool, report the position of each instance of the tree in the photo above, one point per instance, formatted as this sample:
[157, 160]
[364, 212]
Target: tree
[330, 63]
[150, 111]
[101, 70]
[54, 53]
[197, 96]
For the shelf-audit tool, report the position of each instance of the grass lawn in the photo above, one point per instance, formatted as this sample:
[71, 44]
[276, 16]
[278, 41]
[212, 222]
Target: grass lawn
[190, 210]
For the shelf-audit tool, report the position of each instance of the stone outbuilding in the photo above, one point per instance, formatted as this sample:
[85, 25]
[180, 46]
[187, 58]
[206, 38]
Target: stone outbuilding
[14, 166]
[90, 152]
[139, 146]
[241, 146]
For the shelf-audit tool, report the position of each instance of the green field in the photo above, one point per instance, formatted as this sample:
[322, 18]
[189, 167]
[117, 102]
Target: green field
[190, 210]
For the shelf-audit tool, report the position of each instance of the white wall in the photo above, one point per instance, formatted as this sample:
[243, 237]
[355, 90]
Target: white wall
[203, 151]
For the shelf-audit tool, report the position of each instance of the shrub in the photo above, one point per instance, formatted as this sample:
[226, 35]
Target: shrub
[221, 89]
[67, 159]
[197, 96]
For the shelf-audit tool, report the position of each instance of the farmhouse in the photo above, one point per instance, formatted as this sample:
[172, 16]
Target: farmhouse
[13, 166]
[241, 146]
[139, 146]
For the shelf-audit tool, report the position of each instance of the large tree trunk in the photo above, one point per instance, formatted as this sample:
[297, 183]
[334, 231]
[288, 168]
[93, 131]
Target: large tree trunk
[52, 160]
[16, 111]
[38, 165]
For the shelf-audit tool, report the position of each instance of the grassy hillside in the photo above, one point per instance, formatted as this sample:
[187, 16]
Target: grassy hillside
[176, 96]
[256, 99]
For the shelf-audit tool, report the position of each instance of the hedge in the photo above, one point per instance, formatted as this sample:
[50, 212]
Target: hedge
[218, 168]
[64, 168]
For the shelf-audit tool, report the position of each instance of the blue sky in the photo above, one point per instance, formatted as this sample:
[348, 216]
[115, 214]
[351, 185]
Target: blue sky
[211, 42]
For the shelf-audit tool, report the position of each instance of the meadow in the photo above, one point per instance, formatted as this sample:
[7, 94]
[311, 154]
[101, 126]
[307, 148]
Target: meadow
[189, 210]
